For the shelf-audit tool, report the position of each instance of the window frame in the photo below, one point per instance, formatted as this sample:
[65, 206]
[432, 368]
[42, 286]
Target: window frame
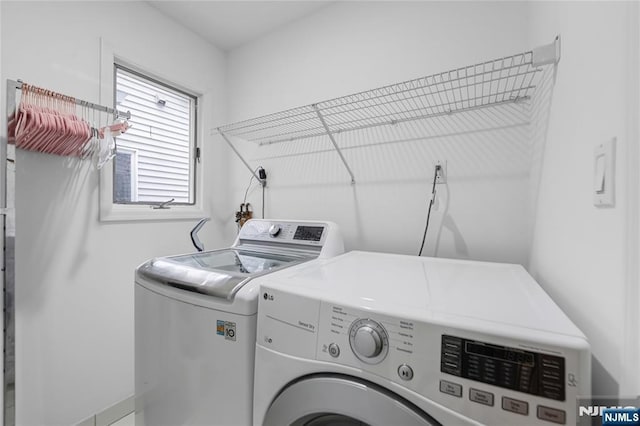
[113, 212]
[193, 124]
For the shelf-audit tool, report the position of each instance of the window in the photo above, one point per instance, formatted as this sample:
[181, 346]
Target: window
[125, 175]
[156, 158]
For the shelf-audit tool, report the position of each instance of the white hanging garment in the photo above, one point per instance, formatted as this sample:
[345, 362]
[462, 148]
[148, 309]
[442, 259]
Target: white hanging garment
[107, 148]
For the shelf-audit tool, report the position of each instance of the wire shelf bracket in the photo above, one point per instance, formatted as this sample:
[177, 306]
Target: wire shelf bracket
[333, 141]
[511, 79]
[226, 139]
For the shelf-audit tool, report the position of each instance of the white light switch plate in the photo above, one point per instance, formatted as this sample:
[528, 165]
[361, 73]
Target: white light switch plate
[604, 172]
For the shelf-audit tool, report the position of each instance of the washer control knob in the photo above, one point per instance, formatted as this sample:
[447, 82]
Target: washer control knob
[274, 230]
[334, 350]
[369, 341]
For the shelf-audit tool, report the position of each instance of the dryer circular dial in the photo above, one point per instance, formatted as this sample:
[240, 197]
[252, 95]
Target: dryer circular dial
[369, 341]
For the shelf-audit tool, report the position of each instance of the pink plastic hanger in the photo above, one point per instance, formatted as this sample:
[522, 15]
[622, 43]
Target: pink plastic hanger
[46, 121]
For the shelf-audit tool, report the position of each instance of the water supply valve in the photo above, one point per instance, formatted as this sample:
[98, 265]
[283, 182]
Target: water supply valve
[244, 214]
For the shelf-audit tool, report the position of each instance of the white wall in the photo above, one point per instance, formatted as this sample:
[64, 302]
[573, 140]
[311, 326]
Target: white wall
[74, 290]
[483, 212]
[582, 255]
[507, 193]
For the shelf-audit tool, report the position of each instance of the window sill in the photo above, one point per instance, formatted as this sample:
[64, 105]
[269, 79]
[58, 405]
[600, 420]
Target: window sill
[123, 213]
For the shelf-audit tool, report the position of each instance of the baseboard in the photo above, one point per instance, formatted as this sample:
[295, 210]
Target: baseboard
[111, 414]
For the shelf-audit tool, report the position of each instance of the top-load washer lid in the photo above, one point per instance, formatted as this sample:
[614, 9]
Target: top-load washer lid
[217, 273]
[262, 246]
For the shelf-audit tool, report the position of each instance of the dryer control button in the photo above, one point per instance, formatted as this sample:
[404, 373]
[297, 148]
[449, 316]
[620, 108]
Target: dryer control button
[515, 406]
[451, 388]
[405, 372]
[553, 415]
[334, 350]
[481, 397]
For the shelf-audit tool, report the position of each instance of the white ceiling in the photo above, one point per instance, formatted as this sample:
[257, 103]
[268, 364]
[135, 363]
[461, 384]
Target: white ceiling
[229, 24]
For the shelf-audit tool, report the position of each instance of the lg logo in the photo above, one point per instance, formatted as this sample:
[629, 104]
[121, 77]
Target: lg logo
[267, 296]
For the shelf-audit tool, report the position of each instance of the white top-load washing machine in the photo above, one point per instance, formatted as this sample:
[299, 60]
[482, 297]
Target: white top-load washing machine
[195, 322]
[382, 339]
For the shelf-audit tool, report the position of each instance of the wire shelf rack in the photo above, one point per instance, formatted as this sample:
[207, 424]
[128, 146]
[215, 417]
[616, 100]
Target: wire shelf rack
[510, 79]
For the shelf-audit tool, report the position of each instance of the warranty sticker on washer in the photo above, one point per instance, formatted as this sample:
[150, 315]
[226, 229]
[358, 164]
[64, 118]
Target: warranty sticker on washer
[226, 329]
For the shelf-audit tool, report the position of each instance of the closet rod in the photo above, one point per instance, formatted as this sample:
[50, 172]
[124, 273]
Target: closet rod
[17, 84]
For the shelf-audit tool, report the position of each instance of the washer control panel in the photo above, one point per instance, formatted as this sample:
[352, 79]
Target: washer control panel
[281, 232]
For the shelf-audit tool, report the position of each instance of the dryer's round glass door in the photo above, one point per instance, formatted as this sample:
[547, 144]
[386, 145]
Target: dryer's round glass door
[334, 400]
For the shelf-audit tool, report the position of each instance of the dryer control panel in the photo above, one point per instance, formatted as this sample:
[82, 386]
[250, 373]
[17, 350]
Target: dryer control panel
[490, 378]
[506, 367]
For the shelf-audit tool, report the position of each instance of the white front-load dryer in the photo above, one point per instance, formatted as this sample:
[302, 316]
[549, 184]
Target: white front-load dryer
[380, 339]
[195, 322]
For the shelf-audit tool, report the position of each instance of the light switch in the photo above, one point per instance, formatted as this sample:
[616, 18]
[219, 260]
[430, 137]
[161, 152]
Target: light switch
[604, 173]
[598, 186]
